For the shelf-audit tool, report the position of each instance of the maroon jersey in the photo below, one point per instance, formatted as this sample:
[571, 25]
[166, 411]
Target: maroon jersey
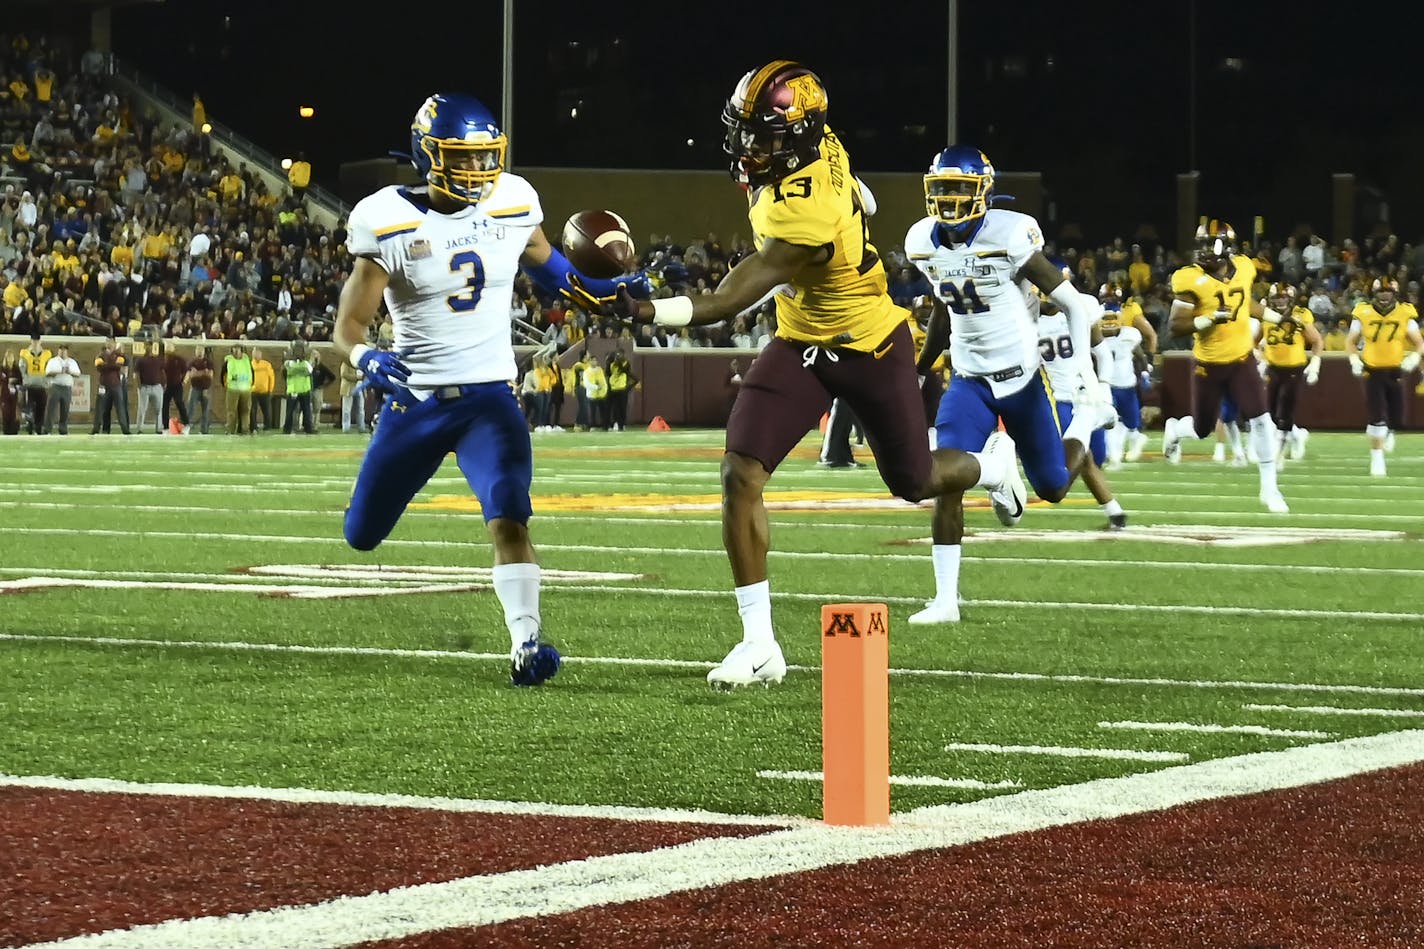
[110, 364]
[149, 369]
[205, 365]
[175, 367]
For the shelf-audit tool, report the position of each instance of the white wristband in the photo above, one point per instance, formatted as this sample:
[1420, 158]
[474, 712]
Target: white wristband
[358, 353]
[672, 311]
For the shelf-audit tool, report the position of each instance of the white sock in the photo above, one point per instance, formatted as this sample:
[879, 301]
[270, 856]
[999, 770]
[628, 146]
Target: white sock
[1267, 470]
[1080, 429]
[754, 605]
[1112, 508]
[517, 586]
[1233, 437]
[1377, 456]
[1117, 442]
[989, 474]
[946, 571]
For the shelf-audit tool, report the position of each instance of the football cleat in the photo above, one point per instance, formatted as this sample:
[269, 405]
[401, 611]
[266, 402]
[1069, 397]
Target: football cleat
[533, 662]
[1171, 443]
[936, 611]
[1239, 459]
[1008, 495]
[1275, 502]
[749, 663]
[1136, 442]
[1295, 443]
[1117, 522]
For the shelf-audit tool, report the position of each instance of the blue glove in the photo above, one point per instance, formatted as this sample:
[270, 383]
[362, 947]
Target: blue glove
[383, 368]
[599, 296]
[1146, 377]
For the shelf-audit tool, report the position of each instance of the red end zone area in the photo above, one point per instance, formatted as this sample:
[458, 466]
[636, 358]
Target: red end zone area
[76, 863]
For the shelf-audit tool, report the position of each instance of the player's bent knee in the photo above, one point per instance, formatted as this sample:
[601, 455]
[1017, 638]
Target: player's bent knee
[508, 499]
[742, 475]
[362, 536]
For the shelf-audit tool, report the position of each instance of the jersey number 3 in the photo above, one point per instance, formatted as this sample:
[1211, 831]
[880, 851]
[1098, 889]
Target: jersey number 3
[474, 281]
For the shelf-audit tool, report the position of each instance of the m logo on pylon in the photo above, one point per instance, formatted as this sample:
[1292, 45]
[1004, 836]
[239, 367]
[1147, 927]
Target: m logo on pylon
[842, 624]
[877, 625]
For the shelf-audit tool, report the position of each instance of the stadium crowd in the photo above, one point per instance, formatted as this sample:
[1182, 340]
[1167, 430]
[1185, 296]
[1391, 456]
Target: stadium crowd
[113, 224]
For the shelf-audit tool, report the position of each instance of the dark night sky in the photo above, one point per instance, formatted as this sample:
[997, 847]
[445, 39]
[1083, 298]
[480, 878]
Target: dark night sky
[1097, 97]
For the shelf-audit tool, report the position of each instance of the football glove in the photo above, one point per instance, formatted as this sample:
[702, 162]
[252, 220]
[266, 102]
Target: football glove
[1357, 365]
[1410, 362]
[1261, 368]
[581, 294]
[383, 368]
[1312, 371]
[626, 305]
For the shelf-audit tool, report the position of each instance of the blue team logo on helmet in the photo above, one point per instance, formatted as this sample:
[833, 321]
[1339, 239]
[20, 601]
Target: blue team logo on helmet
[457, 147]
[959, 186]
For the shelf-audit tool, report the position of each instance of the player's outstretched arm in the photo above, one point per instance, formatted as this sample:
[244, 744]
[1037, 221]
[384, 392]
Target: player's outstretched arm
[551, 270]
[775, 263]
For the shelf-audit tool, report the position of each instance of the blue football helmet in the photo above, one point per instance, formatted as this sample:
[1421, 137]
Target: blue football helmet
[958, 187]
[457, 147]
[775, 119]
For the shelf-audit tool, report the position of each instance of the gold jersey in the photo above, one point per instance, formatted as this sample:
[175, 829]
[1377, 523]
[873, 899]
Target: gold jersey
[1285, 341]
[1384, 335]
[1227, 342]
[844, 302]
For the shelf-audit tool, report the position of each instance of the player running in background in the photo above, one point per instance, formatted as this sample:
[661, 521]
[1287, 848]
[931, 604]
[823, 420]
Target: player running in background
[1125, 331]
[443, 257]
[1287, 364]
[838, 335]
[1380, 328]
[1213, 303]
[984, 264]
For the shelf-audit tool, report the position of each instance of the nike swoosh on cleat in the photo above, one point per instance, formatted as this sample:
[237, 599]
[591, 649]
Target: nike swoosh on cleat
[756, 669]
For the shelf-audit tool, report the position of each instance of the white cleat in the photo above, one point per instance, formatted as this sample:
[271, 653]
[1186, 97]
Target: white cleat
[1295, 443]
[936, 611]
[1171, 443]
[1389, 444]
[1239, 459]
[1275, 502]
[1009, 496]
[749, 663]
[1136, 442]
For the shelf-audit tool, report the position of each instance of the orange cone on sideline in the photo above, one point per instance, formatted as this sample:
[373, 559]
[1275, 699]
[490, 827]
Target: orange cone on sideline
[855, 713]
[175, 427]
[659, 424]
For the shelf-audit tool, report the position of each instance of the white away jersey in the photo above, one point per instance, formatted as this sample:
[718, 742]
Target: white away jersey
[1055, 347]
[1115, 365]
[452, 277]
[993, 334]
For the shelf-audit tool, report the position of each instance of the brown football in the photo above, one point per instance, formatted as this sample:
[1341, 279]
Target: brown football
[598, 244]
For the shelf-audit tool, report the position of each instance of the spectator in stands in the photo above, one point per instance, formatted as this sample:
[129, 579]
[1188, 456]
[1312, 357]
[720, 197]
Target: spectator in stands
[1321, 306]
[1139, 272]
[200, 383]
[1335, 339]
[299, 176]
[1291, 262]
[28, 216]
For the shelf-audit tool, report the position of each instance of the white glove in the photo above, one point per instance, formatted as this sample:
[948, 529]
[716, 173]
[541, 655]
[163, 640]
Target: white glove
[1312, 371]
[1203, 323]
[1261, 368]
[1271, 316]
[1357, 365]
[1410, 362]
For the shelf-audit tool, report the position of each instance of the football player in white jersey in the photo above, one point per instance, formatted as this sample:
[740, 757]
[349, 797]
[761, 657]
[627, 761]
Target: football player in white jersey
[443, 257]
[1123, 329]
[984, 265]
[1055, 338]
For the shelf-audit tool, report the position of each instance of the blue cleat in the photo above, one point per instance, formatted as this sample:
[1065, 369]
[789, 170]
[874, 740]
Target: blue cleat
[533, 662]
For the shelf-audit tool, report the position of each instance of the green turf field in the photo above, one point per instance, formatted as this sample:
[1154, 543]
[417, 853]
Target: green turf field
[176, 614]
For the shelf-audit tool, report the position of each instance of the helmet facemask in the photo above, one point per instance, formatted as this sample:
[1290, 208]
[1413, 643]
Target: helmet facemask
[464, 171]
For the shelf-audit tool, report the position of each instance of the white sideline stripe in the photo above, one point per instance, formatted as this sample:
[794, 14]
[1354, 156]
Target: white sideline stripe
[906, 780]
[1216, 729]
[1059, 751]
[1064, 679]
[1333, 710]
[40, 583]
[410, 801]
[627, 877]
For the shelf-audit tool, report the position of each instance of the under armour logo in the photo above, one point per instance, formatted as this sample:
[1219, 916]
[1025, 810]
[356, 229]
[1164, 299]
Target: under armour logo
[397, 407]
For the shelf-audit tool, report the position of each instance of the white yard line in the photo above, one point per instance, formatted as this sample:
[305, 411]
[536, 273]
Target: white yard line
[409, 801]
[627, 877]
[1333, 710]
[903, 780]
[1058, 751]
[1197, 728]
[460, 655]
